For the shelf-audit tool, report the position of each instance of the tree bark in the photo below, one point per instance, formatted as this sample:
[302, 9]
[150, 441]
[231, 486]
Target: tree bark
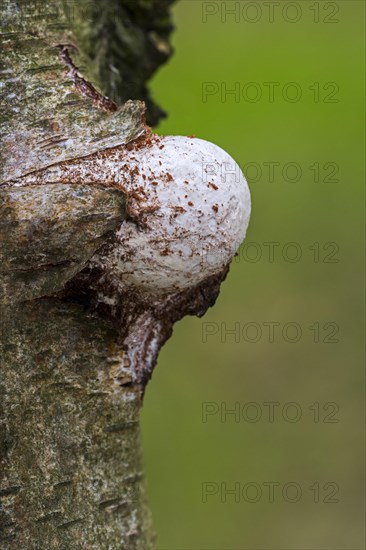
[70, 472]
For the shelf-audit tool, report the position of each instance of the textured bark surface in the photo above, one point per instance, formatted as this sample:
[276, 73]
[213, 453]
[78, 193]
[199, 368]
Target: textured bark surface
[126, 42]
[49, 111]
[48, 233]
[69, 434]
[70, 472]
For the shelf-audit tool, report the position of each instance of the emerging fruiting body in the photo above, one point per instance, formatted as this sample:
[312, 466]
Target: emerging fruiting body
[185, 213]
[157, 223]
[188, 207]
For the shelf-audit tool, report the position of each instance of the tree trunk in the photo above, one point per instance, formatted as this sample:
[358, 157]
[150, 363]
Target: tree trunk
[70, 473]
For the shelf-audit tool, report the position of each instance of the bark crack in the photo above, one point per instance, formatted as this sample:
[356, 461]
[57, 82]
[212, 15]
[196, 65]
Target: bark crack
[10, 490]
[82, 85]
[70, 523]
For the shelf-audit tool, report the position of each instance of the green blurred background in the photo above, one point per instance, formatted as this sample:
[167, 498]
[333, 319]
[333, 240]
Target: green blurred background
[181, 452]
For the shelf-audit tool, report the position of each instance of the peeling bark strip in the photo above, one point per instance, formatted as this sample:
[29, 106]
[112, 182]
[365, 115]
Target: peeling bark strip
[43, 116]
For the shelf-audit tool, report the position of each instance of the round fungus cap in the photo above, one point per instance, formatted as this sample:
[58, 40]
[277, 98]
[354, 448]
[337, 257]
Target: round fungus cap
[188, 207]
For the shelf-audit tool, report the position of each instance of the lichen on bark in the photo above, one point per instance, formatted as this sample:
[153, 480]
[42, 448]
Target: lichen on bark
[117, 46]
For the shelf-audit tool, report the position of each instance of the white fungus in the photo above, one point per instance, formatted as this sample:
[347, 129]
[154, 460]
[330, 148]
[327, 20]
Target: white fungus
[189, 208]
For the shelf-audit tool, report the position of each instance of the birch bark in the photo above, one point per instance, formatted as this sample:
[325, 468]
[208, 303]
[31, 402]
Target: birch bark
[70, 472]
